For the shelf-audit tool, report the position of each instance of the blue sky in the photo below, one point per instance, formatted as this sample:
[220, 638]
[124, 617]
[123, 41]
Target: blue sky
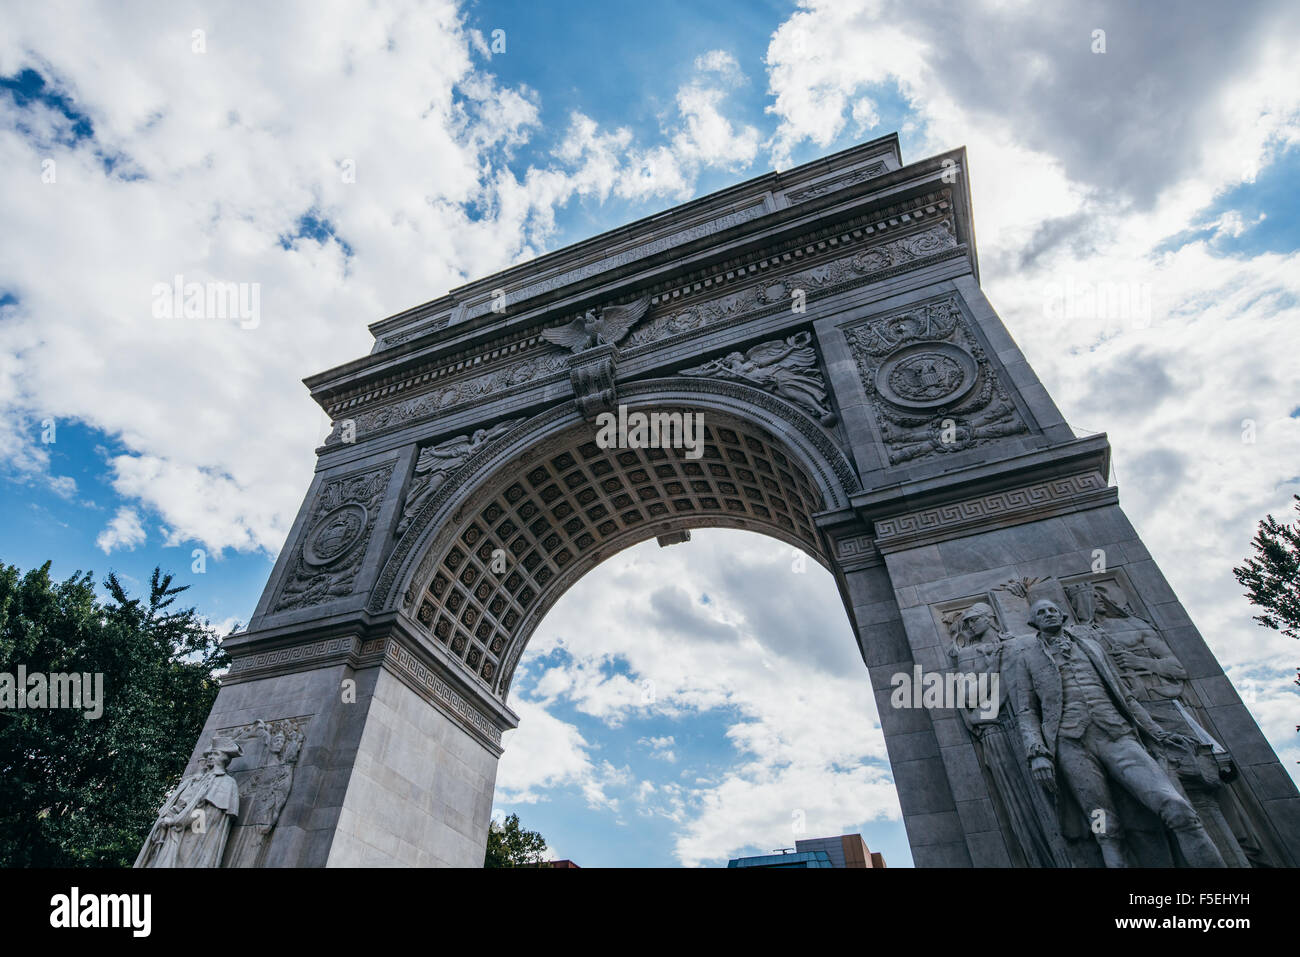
[1163, 164]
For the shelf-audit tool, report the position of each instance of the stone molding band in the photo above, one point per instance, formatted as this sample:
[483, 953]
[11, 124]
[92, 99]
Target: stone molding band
[314, 654]
[1010, 507]
[429, 685]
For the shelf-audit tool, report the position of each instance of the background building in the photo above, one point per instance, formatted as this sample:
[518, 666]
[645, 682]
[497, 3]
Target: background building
[847, 850]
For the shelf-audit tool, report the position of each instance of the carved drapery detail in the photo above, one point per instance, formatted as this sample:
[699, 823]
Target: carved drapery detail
[329, 554]
[265, 774]
[193, 825]
[930, 385]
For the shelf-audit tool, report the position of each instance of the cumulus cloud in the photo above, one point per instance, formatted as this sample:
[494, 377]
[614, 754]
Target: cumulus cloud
[343, 174]
[124, 531]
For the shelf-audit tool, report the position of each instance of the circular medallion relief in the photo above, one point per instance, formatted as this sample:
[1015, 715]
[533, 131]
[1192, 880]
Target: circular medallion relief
[335, 534]
[926, 375]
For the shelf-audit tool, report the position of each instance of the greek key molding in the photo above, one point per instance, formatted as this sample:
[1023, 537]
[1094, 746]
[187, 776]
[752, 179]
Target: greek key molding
[1012, 506]
[432, 686]
[854, 547]
[280, 658]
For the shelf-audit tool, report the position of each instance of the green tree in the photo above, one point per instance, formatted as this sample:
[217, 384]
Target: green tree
[1272, 575]
[79, 791]
[509, 845]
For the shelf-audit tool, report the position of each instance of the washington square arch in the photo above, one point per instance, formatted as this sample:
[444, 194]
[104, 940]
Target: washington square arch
[860, 401]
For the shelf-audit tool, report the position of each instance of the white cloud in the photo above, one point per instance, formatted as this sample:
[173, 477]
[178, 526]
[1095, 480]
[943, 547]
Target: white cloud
[124, 531]
[660, 747]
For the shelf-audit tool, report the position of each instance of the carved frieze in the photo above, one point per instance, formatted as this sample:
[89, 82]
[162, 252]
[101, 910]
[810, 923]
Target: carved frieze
[406, 335]
[817, 279]
[770, 292]
[330, 552]
[835, 183]
[931, 387]
[455, 393]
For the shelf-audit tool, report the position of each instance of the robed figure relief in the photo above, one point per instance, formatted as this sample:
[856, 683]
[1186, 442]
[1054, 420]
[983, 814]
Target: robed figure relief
[977, 650]
[194, 822]
[437, 462]
[264, 791]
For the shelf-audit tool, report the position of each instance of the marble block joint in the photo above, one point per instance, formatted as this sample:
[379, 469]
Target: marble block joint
[860, 401]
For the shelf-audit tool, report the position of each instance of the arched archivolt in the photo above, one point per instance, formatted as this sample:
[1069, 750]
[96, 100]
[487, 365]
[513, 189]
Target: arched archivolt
[553, 504]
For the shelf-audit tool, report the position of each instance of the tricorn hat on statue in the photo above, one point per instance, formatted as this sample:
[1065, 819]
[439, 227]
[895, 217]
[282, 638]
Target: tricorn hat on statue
[226, 745]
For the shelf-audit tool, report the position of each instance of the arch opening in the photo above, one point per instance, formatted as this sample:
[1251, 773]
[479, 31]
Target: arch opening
[533, 525]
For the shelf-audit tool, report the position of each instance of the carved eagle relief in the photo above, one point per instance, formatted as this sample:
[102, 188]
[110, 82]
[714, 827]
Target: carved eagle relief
[606, 326]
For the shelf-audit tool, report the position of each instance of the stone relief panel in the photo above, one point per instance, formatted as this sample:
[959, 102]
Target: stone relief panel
[265, 774]
[977, 642]
[330, 552]
[194, 822]
[930, 385]
[787, 369]
[1096, 753]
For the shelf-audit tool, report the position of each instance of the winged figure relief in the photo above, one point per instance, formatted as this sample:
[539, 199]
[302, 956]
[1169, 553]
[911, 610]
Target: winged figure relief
[606, 326]
[788, 369]
[437, 462]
